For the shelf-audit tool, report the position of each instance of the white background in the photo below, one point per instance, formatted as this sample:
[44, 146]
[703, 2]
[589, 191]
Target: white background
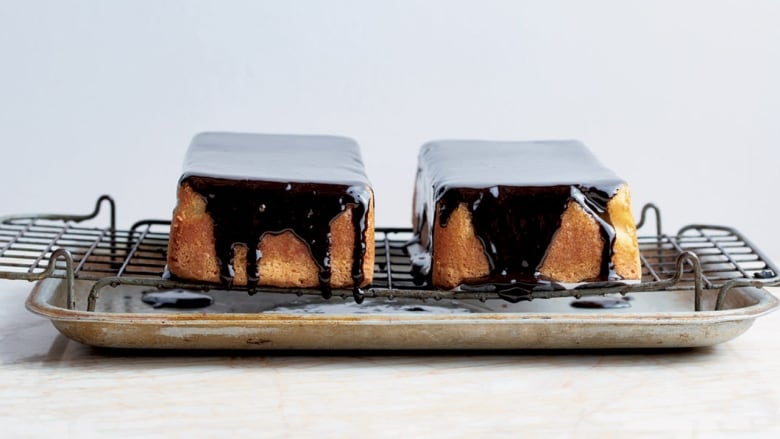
[680, 98]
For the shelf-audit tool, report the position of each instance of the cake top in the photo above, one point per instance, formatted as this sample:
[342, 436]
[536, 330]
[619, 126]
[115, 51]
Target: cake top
[482, 164]
[275, 157]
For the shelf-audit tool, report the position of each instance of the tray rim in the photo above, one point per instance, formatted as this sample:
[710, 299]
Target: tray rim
[509, 331]
[766, 303]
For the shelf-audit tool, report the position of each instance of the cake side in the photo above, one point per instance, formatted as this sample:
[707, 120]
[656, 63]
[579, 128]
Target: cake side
[626, 247]
[573, 255]
[286, 259]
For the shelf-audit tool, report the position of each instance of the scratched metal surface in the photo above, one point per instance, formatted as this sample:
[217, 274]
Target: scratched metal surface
[657, 319]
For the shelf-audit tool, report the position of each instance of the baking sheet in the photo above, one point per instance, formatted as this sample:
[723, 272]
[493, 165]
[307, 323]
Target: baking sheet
[236, 320]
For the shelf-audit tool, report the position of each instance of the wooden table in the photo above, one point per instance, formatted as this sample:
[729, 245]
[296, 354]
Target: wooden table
[50, 385]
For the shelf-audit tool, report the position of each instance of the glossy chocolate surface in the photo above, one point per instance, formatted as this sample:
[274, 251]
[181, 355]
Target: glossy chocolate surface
[516, 193]
[602, 303]
[256, 184]
[176, 299]
[276, 157]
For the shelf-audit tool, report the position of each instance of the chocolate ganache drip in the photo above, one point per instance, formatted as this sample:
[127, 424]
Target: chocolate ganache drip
[255, 185]
[516, 193]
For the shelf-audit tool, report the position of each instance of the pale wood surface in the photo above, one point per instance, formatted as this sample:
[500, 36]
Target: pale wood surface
[50, 385]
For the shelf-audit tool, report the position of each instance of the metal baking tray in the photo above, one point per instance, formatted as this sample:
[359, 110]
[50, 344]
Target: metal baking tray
[236, 320]
[700, 287]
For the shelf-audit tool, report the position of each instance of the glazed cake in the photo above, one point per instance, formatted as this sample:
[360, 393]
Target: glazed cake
[521, 213]
[285, 211]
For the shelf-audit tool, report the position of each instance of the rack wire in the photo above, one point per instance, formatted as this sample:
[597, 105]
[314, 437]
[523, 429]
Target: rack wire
[33, 247]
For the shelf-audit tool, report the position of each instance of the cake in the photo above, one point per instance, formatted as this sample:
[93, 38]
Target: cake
[521, 213]
[288, 211]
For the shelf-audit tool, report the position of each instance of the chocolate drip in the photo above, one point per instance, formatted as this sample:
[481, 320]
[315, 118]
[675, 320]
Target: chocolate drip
[512, 243]
[594, 201]
[244, 211]
[516, 193]
[359, 218]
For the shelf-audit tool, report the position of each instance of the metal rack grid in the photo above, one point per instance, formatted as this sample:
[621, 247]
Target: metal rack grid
[33, 247]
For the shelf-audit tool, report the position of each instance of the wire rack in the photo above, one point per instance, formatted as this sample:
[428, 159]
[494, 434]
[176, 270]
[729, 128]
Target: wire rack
[33, 247]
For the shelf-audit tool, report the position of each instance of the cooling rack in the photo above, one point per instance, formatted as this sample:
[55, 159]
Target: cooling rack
[33, 247]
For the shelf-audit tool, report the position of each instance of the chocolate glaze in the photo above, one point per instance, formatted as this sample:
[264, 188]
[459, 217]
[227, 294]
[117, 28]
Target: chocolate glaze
[516, 193]
[176, 299]
[256, 184]
[512, 288]
[602, 303]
